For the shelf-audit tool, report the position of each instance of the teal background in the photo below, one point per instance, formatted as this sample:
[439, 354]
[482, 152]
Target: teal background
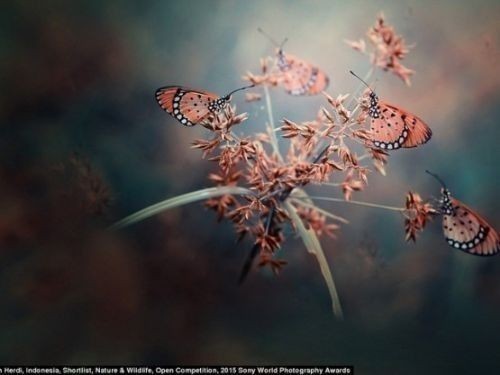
[80, 76]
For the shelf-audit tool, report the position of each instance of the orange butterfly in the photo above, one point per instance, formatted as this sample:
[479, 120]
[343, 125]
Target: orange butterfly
[190, 107]
[393, 127]
[299, 77]
[463, 228]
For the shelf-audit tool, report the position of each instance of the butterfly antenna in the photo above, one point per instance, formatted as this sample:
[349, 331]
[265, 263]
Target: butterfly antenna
[278, 45]
[268, 37]
[241, 88]
[283, 43]
[361, 79]
[437, 178]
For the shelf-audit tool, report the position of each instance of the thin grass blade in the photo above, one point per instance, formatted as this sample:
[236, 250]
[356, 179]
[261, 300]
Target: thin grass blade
[313, 246]
[177, 201]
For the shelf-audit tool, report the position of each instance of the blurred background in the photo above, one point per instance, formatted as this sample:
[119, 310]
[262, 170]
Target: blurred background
[83, 143]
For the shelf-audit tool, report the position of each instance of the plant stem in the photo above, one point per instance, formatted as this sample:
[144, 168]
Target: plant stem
[313, 246]
[272, 133]
[364, 156]
[334, 184]
[324, 212]
[179, 201]
[269, 219]
[359, 203]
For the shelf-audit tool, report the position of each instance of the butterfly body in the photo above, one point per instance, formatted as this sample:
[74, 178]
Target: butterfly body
[300, 77]
[466, 230]
[393, 128]
[283, 63]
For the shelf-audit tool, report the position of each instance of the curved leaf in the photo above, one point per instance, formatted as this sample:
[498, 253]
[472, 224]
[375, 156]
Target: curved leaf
[313, 245]
[179, 200]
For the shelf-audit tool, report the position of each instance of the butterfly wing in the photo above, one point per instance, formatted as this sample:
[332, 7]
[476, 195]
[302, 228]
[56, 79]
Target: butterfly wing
[465, 230]
[419, 133]
[388, 130]
[301, 77]
[320, 82]
[187, 106]
[395, 128]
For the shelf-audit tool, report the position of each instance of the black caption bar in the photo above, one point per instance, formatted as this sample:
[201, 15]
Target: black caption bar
[183, 370]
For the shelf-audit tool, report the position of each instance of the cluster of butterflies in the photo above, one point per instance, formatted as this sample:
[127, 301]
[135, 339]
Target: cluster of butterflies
[391, 128]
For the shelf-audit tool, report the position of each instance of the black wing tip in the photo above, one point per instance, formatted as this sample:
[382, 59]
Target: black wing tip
[164, 88]
[428, 135]
[159, 91]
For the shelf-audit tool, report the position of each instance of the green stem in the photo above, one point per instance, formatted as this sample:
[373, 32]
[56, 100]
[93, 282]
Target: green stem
[334, 184]
[179, 201]
[326, 213]
[364, 156]
[313, 245]
[272, 133]
[367, 204]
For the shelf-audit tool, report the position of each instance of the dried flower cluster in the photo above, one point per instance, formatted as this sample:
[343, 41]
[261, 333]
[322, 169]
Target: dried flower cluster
[269, 74]
[335, 145]
[417, 214]
[318, 151]
[389, 49]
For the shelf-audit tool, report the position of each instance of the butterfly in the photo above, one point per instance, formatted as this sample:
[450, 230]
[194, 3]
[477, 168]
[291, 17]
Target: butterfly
[299, 77]
[463, 228]
[190, 107]
[392, 127]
